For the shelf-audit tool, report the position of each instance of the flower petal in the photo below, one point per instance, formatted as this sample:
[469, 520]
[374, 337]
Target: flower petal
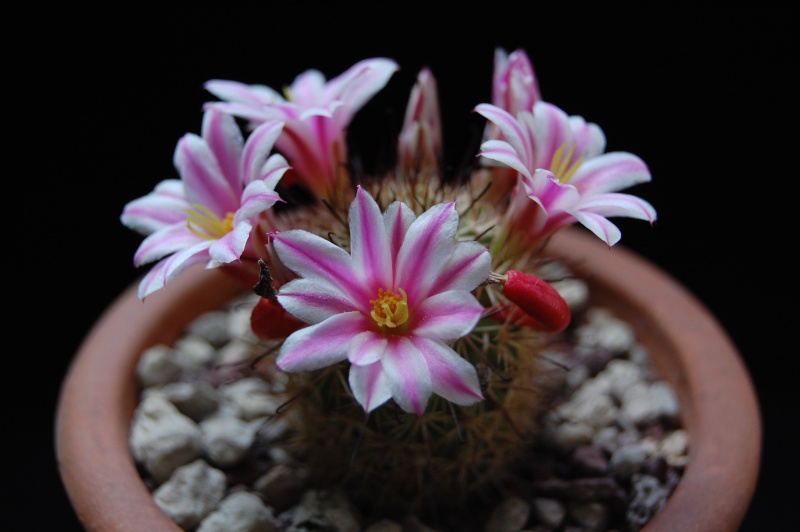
[257, 197]
[408, 374]
[360, 83]
[257, 150]
[308, 88]
[313, 301]
[234, 91]
[397, 219]
[599, 225]
[610, 172]
[427, 247]
[163, 207]
[452, 377]
[169, 268]
[552, 195]
[502, 152]
[616, 204]
[467, 268]
[224, 140]
[164, 242]
[588, 137]
[551, 131]
[315, 258]
[205, 183]
[370, 386]
[320, 345]
[514, 131]
[448, 315]
[366, 348]
[273, 170]
[253, 114]
[229, 248]
[369, 245]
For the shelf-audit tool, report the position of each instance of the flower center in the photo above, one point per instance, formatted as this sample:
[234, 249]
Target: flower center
[206, 224]
[562, 166]
[389, 309]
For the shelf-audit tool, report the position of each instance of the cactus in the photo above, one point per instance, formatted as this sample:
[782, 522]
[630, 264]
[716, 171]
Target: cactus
[393, 462]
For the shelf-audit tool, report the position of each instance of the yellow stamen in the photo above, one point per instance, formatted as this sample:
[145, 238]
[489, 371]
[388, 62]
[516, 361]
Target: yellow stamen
[206, 224]
[561, 166]
[389, 309]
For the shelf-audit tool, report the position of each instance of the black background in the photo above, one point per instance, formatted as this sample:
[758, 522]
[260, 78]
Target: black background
[701, 94]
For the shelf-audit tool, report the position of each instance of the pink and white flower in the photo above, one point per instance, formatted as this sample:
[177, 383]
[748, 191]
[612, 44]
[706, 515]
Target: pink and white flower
[207, 215]
[316, 114]
[389, 307]
[564, 176]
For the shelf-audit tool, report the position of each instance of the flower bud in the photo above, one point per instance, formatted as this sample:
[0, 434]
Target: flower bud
[420, 141]
[541, 302]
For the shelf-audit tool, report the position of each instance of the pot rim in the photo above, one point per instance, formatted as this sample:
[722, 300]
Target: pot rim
[719, 408]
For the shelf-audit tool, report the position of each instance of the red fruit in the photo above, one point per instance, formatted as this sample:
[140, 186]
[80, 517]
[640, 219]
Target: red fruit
[270, 321]
[542, 304]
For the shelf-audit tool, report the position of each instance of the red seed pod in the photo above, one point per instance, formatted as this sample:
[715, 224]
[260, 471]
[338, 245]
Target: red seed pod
[540, 301]
[270, 321]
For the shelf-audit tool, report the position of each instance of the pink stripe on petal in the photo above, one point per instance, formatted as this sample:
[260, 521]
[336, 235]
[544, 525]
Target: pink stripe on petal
[360, 83]
[314, 257]
[610, 172]
[205, 184]
[257, 150]
[551, 131]
[256, 198]
[320, 345]
[448, 315]
[589, 138]
[397, 219]
[616, 204]
[426, 249]
[452, 377]
[308, 158]
[248, 112]
[370, 386]
[184, 258]
[164, 206]
[513, 132]
[600, 226]
[502, 152]
[273, 170]
[313, 301]
[468, 267]
[369, 245]
[408, 374]
[169, 268]
[224, 139]
[553, 195]
[230, 246]
[164, 242]
[366, 348]
[234, 91]
[155, 279]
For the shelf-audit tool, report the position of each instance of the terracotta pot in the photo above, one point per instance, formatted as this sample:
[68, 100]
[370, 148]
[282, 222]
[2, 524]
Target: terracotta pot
[687, 346]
